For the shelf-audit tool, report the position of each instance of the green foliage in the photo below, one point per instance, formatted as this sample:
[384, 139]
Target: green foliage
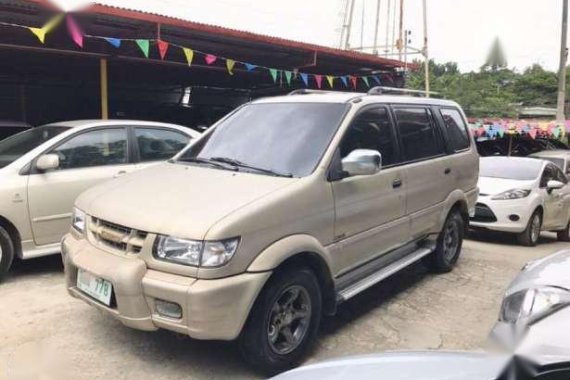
[494, 91]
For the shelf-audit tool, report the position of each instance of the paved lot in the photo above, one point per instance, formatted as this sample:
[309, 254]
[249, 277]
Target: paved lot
[42, 328]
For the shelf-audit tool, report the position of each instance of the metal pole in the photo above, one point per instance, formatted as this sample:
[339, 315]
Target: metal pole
[388, 27]
[426, 54]
[362, 23]
[344, 24]
[349, 27]
[401, 31]
[393, 27]
[104, 89]
[375, 51]
[562, 68]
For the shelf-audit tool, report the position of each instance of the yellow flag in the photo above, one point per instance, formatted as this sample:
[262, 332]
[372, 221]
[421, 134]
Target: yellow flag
[189, 53]
[230, 63]
[330, 79]
[41, 32]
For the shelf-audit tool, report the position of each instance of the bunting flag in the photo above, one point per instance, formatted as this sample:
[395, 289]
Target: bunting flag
[353, 80]
[501, 131]
[74, 31]
[162, 48]
[377, 80]
[250, 67]
[365, 79]
[288, 75]
[330, 79]
[273, 73]
[319, 80]
[556, 132]
[144, 46]
[344, 80]
[532, 133]
[209, 58]
[41, 32]
[305, 78]
[230, 63]
[114, 41]
[189, 54]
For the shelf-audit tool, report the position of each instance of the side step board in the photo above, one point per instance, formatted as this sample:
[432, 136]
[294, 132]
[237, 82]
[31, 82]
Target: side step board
[365, 283]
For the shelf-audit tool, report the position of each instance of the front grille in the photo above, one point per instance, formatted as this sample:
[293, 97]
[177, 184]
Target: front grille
[116, 237]
[483, 214]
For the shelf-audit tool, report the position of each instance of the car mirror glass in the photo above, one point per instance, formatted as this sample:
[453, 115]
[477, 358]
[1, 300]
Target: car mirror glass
[47, 162]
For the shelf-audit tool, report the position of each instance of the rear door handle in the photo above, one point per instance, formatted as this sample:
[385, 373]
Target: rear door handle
[447, 170]
[396, 183]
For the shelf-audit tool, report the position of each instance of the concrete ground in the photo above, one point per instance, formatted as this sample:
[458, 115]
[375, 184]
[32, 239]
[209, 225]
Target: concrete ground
[42, 329]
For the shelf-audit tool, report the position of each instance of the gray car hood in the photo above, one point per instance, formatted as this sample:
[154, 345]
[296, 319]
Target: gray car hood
[405, 366]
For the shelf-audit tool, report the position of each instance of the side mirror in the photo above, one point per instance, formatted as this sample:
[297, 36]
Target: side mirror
[554, 185]
[47, 162]
[362, 162]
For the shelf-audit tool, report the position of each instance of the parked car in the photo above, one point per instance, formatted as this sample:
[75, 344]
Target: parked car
[559, 157]
[515, 145]
[280, 211]
[10, 127]
[522, 196]
[44, 169]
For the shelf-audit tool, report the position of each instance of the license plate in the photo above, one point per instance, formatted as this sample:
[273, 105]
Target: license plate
[95, 287]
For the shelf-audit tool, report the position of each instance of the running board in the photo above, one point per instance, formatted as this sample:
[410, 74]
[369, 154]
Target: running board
[365, 283]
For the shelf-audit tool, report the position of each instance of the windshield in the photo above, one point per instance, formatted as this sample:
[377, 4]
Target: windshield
[284, 138]
[16, 146]
[516, 169]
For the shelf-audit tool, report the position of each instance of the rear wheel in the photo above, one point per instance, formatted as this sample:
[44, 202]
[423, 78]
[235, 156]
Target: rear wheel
[529, 237]
[6, 252]
[284, 321]
[449, 244]
[564, 235]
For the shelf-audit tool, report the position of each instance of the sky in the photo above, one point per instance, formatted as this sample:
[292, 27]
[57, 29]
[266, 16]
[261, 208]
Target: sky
[458, 30]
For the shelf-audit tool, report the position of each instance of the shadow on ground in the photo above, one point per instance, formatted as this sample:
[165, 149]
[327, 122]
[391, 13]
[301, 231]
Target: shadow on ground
[507, 238]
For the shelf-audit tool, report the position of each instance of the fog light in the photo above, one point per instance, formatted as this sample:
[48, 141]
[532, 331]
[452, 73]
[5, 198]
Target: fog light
[514, 218]
[168, 309]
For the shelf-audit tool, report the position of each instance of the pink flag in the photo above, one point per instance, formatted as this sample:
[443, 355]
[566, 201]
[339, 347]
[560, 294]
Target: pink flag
[319, 80]
[354, 80]
[74, 31]
[210, 59]
[532, 133]
[162, 48]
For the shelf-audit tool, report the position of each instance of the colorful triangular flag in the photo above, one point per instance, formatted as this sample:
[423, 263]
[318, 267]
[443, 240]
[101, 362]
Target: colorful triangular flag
[365, 79]
[344, 80]
[273, 73]
[41, 32]
[305, 78]
[319, 80]
[330, 79]
[144, 46]
[288, 75]
[354, 81]
[249, 66]
[74, 31]
[113, 41]
[189, 53]
[377, 80]
[162, 48]
[210, 58]
[230, 63]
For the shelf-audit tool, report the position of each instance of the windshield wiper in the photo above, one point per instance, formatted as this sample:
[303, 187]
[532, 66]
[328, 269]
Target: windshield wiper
[239, 164]
[206, 161]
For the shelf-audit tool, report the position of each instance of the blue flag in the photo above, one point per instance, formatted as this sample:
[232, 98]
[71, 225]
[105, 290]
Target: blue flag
[305, 78]
[113, 41]
[344, 81]
[249, 66]
[377, 80]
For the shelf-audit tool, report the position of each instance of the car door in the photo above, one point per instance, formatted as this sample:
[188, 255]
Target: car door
[552, 200]
[562, 197]
[428, 168]
[370, 210]
[156, 144]
[85, 159]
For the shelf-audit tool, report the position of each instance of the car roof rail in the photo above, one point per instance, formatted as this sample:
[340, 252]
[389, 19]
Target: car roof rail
[306, 91]
[380, 90]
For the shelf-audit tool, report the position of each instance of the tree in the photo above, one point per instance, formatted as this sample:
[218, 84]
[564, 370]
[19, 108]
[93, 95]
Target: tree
[496, 59]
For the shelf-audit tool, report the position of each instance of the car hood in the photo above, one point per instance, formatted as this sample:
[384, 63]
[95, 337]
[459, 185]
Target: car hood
[177, 199]
[405, 366]
[492, 186]
[551, 270]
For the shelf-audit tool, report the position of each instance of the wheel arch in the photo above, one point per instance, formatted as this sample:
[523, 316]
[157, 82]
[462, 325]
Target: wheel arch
[14, 235]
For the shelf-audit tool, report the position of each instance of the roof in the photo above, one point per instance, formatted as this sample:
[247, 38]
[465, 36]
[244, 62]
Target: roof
[556, 153]
[86, 124]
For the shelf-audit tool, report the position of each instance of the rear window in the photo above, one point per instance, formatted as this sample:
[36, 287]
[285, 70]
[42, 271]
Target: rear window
[517, 169]
[456, 129]
[418, 134]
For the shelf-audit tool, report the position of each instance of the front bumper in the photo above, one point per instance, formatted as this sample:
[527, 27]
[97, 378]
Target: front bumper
[496, 214]
[211, 309]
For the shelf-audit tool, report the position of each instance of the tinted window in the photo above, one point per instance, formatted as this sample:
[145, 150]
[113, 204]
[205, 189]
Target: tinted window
[556, 161]
[283, 137]
[371, 129]
[559, 175]
[456, 129]
[16, 146]
[419, 138]
[159, 144]
[547, 175]
[96, 148]
[510, 168]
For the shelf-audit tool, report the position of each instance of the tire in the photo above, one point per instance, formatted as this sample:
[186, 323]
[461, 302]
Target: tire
[264, 341]
[529, 237]
[6, 252]
[564, 235]
[449, 243]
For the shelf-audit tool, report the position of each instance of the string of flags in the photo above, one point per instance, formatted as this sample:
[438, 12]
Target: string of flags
[485, 129]
[163, 47]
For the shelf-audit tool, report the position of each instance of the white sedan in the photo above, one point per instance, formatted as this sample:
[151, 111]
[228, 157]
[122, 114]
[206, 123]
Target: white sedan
[522, 196]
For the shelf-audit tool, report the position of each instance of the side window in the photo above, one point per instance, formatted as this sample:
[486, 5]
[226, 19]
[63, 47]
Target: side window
[547, 175]
[455, 128]
[559, 175]
[418, 134]
[159, 144]
[96, 148]
[371, 129]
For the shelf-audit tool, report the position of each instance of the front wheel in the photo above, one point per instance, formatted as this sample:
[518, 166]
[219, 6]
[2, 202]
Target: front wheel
[6, 252]
[529, 237]
[448, 245]
[284, 321]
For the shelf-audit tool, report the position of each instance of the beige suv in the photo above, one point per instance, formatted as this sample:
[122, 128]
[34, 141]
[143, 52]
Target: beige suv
[280, 212]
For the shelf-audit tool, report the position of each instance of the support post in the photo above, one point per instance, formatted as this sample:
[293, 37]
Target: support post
[425, 50]
[562, 68]
[104, 89]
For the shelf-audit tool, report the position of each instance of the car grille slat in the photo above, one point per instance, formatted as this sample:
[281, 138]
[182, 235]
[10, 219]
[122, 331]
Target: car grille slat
[116, 237]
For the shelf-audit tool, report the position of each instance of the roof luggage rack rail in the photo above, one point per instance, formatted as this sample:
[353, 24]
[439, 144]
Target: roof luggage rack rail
[306, 91]
[379, 90]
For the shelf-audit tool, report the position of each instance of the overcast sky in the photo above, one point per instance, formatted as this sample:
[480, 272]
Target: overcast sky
[459, 30]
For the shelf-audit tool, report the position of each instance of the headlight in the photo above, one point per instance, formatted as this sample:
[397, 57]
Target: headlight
[195, 252]
[511, 194]
[78, 220]
[533, 304]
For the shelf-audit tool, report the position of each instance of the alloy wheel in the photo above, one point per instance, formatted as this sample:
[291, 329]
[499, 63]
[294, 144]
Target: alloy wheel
[450, 241]
[289, 319]
[535, 228]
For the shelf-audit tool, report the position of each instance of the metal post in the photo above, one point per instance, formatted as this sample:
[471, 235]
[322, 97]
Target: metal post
[401, 31]
[375, 51]
[349, 26]
[426, 54]
[104, 89]
[562, 68]
[388, 27]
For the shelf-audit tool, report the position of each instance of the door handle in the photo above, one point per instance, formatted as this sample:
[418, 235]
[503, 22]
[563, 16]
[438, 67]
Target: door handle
[447, 170]
[397, 183]
[122, 172]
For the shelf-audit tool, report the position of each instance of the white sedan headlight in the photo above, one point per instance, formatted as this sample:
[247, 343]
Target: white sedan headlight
[195, 252]
[511, 194]
[533, 304]
[78, 220]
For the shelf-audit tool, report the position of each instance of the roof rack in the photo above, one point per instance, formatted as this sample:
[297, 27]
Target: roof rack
[306, 91]
[379, 90]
